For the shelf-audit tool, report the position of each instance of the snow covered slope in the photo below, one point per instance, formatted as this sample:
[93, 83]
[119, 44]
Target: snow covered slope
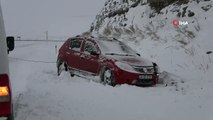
[180, 49]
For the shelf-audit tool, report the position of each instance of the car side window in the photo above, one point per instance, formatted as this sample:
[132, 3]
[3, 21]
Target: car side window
[75, 45]
[89, 47]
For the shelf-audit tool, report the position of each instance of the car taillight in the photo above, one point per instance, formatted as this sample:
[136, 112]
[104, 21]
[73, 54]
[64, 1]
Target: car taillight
[4, 88]
[4, 91]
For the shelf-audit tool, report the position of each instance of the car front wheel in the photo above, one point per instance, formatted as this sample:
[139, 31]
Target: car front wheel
[107, 77]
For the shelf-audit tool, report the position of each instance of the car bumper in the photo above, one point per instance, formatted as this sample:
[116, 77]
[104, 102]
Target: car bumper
[5, 109]
[124, 77]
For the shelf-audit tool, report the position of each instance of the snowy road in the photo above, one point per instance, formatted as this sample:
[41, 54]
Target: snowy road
[39, 94]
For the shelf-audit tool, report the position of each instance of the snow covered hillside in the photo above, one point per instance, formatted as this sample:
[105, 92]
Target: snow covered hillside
[180, 49]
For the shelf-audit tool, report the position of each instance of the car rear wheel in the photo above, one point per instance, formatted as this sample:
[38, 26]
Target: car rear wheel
[107, 77]
[61, 66]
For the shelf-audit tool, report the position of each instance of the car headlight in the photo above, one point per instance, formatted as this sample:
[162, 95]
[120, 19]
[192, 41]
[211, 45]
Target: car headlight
[125, 67]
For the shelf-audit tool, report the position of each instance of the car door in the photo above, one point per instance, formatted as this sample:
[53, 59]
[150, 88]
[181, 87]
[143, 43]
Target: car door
[89, 62]
[73, 53]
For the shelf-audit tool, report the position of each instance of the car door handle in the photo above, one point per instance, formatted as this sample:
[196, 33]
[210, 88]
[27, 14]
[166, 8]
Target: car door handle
[68, 52]
[82, 57]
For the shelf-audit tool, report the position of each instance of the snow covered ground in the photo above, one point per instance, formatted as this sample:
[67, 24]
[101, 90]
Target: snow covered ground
[39, 94]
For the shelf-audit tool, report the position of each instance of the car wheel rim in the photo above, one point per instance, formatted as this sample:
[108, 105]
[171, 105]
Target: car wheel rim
[108, 77]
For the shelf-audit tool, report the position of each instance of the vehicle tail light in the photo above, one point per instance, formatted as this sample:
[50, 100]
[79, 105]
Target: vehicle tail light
[4, 88]
[4, 91]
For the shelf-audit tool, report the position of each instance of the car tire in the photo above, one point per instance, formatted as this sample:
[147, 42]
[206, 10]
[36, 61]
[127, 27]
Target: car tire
[107, 77]
[59, 63]
[61, 66]
[72, 73]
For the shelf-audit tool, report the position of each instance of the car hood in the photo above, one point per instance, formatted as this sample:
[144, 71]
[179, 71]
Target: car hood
[131, 60]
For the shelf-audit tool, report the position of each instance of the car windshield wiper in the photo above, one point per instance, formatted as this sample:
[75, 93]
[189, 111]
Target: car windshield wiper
[118, 54]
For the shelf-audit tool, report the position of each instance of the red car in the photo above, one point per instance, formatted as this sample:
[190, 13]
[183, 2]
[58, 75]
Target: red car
[111, 59]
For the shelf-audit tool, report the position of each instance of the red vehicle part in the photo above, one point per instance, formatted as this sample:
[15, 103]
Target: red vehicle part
[97, 57]
[125, 77]
[5, 96]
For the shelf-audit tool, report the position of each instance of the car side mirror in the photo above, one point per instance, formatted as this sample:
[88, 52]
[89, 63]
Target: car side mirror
[10, 43]
[156, 69]
[138, 54]
[94, 53]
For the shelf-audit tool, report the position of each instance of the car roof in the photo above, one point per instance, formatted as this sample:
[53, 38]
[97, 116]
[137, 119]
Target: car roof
[92, 38]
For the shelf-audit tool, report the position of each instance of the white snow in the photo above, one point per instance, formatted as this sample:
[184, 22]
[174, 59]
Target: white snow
[40, 94]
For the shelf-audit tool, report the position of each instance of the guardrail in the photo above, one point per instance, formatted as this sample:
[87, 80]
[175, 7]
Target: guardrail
[41, 40]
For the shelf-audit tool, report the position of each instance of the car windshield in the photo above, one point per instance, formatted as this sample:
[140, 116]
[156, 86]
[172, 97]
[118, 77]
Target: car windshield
[115, 48]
